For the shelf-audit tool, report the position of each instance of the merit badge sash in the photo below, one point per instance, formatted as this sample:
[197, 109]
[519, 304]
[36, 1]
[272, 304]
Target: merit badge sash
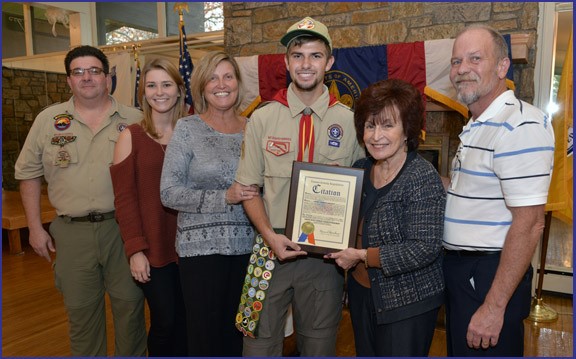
[258, 275]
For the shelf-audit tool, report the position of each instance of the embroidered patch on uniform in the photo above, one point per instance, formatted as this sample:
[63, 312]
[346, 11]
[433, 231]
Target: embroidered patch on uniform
[61, 140]
[278, 147]
[306, 24]
[333, 143]
[256, 283]
[122, 126]
[62, 122]
[335, 132]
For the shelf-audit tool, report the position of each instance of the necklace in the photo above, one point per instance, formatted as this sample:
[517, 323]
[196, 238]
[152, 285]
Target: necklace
[391, 175]
[162, 147]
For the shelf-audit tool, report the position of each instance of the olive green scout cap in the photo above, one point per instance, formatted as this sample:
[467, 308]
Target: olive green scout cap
[306, 26]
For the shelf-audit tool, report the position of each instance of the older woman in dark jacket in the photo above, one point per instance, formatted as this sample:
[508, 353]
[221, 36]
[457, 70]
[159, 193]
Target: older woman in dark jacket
[395, 281]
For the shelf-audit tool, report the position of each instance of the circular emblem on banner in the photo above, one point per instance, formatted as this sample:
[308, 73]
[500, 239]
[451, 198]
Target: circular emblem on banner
[62, 122]
[343, 86]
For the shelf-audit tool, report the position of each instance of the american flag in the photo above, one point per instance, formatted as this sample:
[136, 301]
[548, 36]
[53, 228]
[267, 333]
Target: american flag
[136, 104]
[186, 68]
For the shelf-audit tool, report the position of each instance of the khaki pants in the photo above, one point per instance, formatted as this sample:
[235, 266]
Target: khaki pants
[314, 288]
[90, 261]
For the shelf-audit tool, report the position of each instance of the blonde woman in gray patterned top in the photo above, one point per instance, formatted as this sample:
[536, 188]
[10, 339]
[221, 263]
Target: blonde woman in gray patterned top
[214, 236]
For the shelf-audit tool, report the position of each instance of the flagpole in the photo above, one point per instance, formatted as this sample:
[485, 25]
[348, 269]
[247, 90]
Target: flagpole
[179, 7]
[539, 311]
[185, 63]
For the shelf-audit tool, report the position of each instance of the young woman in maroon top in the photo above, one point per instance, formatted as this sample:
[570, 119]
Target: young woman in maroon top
[148, 228]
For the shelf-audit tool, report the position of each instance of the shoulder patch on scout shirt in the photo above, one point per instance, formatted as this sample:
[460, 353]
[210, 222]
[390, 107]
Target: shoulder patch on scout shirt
[278, 146]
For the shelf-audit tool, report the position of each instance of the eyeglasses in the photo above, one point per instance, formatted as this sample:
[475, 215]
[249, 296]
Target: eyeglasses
[92, 71]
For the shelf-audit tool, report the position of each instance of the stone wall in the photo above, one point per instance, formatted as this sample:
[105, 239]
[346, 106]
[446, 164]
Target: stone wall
[256, 27]
[24, 94]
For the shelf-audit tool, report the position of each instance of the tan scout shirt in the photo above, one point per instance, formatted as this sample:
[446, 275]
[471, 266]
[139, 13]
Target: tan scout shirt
[74, 161]
[271, 146]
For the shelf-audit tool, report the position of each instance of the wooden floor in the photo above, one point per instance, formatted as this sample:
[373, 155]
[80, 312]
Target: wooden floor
[34, 321]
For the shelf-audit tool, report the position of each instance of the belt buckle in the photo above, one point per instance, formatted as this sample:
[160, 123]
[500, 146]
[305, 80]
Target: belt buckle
[96, 217]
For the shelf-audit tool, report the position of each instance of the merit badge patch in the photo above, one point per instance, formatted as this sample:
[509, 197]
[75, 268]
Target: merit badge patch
[62, 122]
[256, 283]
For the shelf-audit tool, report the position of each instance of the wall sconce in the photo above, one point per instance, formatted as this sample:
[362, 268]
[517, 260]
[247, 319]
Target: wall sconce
[55, 15]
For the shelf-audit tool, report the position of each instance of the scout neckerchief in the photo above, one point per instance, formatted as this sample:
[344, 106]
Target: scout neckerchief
[306, 129]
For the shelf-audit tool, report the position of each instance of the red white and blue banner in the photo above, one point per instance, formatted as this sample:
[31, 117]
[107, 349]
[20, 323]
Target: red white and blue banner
[425, 64]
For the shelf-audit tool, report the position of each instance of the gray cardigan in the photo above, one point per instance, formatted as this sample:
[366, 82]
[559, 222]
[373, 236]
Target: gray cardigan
[406, 222]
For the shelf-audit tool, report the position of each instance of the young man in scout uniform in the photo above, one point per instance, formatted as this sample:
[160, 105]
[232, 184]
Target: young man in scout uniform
[303, 123]
[71, 145]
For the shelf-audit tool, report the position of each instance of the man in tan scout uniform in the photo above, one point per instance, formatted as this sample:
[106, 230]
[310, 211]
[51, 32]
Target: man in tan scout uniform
[71, 145]
[303, 123]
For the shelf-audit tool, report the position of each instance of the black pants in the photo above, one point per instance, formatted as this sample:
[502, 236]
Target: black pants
[409, 337]
[463, 299]
[167, 334]
[212, 286]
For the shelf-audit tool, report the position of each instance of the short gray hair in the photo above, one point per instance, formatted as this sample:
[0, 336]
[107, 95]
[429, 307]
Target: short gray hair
[500, 45]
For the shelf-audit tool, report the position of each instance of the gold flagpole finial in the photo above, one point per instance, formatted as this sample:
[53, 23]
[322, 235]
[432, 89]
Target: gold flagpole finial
[179, 7]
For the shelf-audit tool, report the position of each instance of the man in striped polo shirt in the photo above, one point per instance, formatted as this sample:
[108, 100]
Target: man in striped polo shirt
[495, 205]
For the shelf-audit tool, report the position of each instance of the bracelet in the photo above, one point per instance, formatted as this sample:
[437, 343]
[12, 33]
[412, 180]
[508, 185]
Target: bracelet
[366, 260]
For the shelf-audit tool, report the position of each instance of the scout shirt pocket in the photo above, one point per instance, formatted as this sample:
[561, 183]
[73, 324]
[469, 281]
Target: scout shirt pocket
[333, 155]
[62, 152]
[279, 154]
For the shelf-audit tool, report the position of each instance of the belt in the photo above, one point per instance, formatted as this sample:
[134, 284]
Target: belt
[94, 217]
[449, 252]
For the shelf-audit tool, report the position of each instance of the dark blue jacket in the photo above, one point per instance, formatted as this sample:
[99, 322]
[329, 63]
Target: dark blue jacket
[406, 222]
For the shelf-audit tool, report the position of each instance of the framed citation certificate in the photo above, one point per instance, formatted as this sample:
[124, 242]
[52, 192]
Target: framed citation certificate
[324, 206]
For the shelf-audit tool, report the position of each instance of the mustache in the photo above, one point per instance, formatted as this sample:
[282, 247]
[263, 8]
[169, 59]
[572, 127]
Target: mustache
[466, 78]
